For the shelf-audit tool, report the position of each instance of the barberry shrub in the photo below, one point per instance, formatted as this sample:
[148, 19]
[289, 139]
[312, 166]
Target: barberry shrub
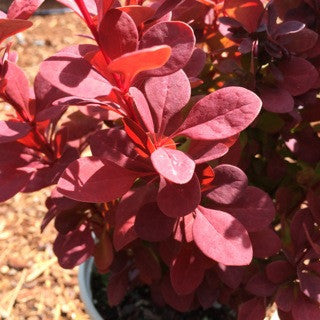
[188, 185]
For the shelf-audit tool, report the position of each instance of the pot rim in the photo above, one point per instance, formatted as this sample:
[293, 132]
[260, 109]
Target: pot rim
[84, 277]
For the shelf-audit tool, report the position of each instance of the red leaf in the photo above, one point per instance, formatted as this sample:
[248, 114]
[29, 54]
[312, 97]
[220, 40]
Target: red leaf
[207, 295]
[13, 130]
[95, 180]
[176, 200]
[181, 303]
[74, 248]
[255, 209]
[138, 13]
[147, 223]
[253, 309]
[221, 114]
[229, 184]
[248, 13]
[103, 253]
[130, 64]
[173, 165]
[167, 96]
[171, 34]
[10, 27]
[221, 237]
[118, 34]
[23, 9]
[139, 137]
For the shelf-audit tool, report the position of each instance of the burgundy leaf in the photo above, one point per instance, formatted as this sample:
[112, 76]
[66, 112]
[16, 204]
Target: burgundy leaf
[118, 34]
[253, 309]
[13, 130]
[305, 309]
[248, 13]
[276, 99]
[114, 145]
[230, 275]
[280, 271]
[147, 264]
[174, 165]
[285, 298]
[221, 114]
[142, 108]
[147, 223]
[221, 237]
[93, 179]
[183, 230]
[23, 9]
[71, 73]
[12, 181]
[117, 287]
[167, 96]
[17, 89]
[260, 285]
[165, 7]
[202, 151]
[299, 75]
[177, 35]
[265, 243]
[229, 184]
[207, 295]
[196, 63]
[310, 284]
[176, 200]
[187, 270]
[125, 216]
[181, 303]
[74, 248]
[255, 209]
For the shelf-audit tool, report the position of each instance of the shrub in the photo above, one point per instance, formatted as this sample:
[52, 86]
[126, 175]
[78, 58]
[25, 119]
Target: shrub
[190, 188]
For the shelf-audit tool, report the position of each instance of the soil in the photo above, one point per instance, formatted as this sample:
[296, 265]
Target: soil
[137, 305]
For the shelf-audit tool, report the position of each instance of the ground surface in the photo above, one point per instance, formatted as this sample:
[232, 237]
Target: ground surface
[32, 284]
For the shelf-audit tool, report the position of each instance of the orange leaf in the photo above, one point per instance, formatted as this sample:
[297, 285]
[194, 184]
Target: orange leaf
[130, 64]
